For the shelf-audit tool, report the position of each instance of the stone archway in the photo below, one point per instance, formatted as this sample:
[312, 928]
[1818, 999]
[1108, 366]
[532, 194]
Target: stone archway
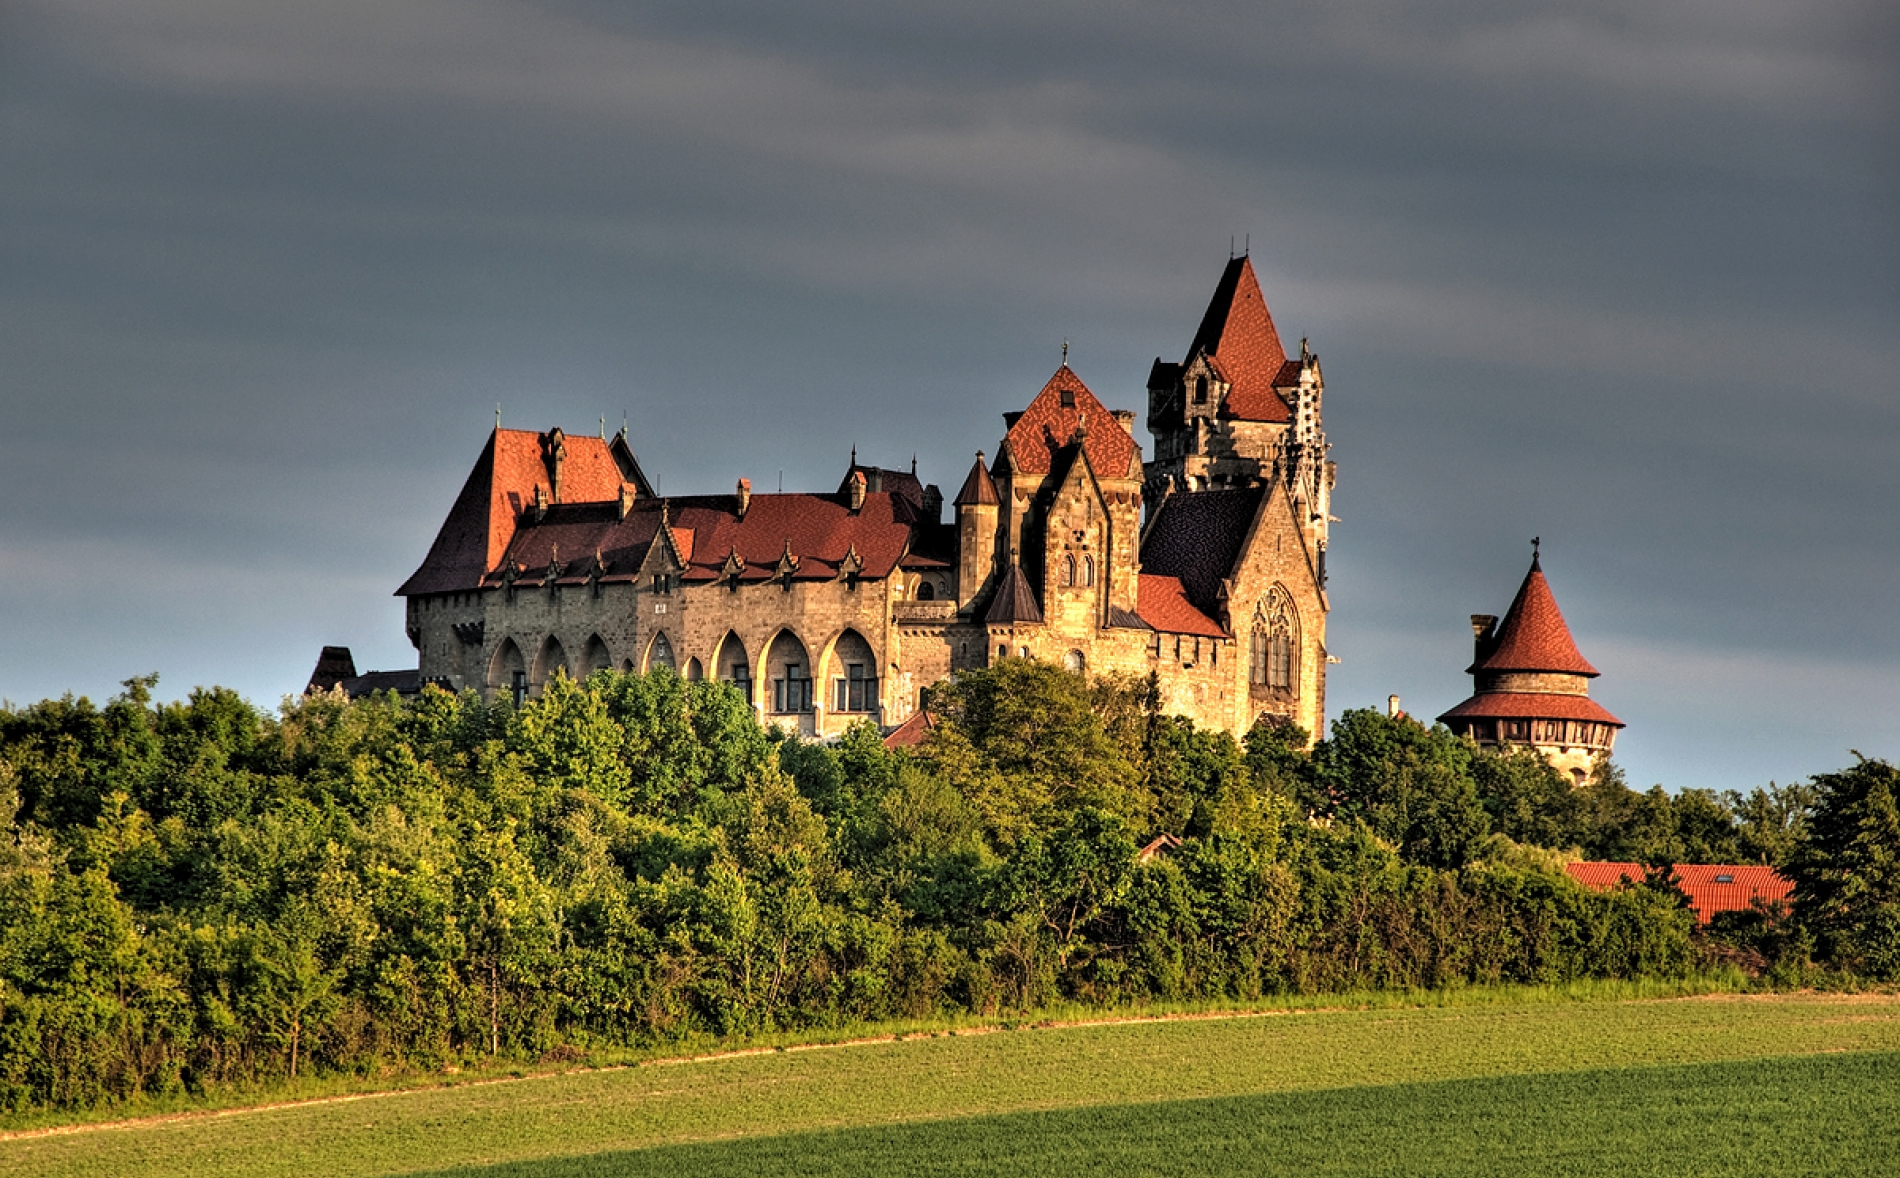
[550, 662]
[508, 672]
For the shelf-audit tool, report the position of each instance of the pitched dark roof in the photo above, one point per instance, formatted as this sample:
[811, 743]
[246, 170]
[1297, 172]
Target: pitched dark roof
[334, 665]
[1015, 601]
[1238, 335]
[1197, 537]
[1533, 636]
[979, 488]
[902, 483]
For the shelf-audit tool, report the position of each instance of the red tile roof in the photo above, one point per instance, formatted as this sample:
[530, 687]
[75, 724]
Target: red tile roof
[1531, 705]
[1238, 335]
[1047, 426]
[1163, 603]
[482, 522]
[911, 732]
[1711, 887]
[1534, 636]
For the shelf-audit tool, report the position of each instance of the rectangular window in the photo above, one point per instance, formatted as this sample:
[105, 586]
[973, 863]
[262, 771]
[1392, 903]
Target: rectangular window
[1279, 661]
[742, 679]
[793, 692]
[855, 691]
[518, 686]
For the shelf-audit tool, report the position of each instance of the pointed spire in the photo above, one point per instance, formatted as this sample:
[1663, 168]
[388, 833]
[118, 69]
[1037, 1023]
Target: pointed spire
[1238, 335]
[1533, 635]
[979, 489]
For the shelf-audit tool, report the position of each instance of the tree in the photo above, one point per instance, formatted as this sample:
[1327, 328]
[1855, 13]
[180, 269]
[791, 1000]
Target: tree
[1408, 784]
[1847, 870]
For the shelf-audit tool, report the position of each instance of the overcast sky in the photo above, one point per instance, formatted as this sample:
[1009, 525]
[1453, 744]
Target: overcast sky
[1625, 276]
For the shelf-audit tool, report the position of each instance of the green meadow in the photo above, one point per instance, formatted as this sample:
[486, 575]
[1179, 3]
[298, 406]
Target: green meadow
[1787, 1084]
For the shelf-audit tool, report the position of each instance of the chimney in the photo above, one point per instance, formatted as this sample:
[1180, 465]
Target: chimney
[626, 499]
[745, 496]
[1484, 635]
[557, 453]
[540, 502]
[1126, 419]
[1392, 707]
[933, 503]
[857, 491]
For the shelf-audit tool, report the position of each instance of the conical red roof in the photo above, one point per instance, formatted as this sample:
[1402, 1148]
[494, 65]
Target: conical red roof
[979, 489]
[1534, 636]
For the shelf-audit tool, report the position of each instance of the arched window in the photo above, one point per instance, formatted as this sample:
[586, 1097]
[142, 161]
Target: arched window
[1275, 641]
[550, 662]
[732, 665]
[508, 672]
[926, 591]
[1200, 390]
[595, 656]
[853, 674]
[1068, 570]
[1077, 662]
[694, 671]
[789, 669]
[660, 654]
[1088, 570]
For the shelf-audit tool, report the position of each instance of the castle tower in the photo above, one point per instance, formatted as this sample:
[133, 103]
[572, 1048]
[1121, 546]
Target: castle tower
[976, 506]
[1532, 687]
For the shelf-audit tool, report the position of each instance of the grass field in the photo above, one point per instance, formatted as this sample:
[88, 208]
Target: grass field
[1760, 1085]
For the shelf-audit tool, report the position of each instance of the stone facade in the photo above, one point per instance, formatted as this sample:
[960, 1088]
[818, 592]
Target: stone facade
[834, 607]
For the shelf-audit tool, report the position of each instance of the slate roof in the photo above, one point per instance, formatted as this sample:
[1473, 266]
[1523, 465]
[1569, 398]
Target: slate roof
[1711, 887]
[1164, 606]
[1015, 601]
[1531, 705]
[481, 523]
[1533, 636]
[1197, 538]
[1238, 335]
[334, 665]
[1047, 426]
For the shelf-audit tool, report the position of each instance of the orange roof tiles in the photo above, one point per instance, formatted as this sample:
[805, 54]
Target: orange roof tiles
[979, 489]
[911, 732]
[1238, 335]
[1711, 887]
[1163, 603]
[1533, 636]
[1048, 425]
[1531, 705]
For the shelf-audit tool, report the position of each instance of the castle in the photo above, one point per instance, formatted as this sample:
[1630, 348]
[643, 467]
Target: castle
[1204, 565]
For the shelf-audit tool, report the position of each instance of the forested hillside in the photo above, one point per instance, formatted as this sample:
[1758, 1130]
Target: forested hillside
[199, 894]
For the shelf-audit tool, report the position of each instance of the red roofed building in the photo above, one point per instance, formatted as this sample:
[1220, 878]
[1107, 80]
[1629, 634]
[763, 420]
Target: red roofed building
[827, 609]
[1532, 686]
[1711, 887]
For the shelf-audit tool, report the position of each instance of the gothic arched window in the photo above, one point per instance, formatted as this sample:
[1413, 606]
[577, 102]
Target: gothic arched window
[1275, 641]
[1068, 570]
[1088, 570]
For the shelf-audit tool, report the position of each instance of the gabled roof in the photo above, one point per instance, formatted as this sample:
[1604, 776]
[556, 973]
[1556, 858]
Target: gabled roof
[1164, 606]
[511, 466]
[1015, 601]
[979, 489]
[1711, 887]
[1197, 537]
[1047, 425]
[1533, 636]
[902, 483]
[1238, 335]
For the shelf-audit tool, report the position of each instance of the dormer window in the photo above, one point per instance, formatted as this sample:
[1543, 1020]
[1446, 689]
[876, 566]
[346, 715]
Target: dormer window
[1729, 879]
[1068, 398]
[1200, 390]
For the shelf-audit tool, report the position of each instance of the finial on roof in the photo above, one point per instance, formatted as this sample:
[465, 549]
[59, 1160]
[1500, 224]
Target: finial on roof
[1246, 250]
[1230, 247]
[1536, 543]
[497, 414]
[913, 462]
[1065, 353]
[603, 427]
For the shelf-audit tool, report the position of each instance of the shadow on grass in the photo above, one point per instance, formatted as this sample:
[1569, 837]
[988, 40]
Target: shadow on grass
[1815, 1115]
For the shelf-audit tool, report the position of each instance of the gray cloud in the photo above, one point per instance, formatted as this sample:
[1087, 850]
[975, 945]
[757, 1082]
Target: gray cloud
[1621, 275]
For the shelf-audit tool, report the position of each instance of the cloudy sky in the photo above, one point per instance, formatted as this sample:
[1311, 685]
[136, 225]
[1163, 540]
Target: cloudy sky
[1620, 275]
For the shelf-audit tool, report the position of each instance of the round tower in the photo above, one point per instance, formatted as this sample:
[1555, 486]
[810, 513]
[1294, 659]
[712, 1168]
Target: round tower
[1531, 686]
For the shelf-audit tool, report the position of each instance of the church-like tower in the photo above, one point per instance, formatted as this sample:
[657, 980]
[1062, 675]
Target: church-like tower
[1532, 686]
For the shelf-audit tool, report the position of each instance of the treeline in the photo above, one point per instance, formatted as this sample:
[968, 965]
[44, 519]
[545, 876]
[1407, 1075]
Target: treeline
[198, 895]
